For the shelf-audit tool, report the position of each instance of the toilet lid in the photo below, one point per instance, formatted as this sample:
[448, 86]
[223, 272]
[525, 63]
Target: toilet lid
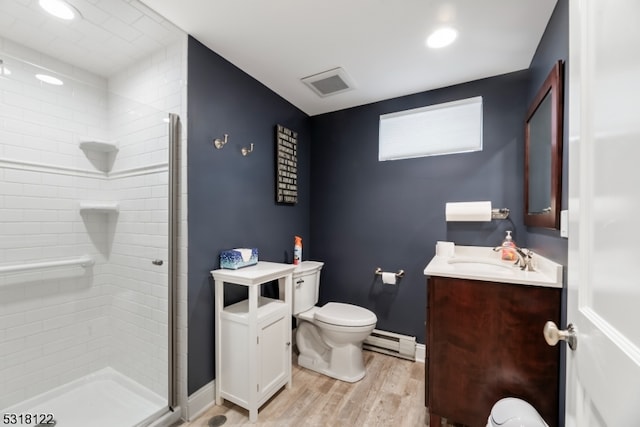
[511, 411]
[340, 314]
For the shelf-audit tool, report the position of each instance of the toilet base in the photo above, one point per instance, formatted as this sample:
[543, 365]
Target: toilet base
[344, 362]
[322, 367]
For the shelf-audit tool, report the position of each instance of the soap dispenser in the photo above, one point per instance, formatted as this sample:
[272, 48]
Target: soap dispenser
[509, 248]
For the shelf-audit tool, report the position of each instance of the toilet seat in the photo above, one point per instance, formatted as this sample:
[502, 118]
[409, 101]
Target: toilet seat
[513, 412]
[340, 314]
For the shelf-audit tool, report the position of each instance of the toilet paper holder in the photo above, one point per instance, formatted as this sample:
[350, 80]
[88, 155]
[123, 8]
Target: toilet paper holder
[378, 272]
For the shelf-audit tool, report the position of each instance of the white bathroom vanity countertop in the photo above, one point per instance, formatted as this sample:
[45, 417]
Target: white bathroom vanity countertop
[482, 263]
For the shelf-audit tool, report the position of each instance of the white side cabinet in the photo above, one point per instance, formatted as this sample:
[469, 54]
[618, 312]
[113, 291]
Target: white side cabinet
[253, 337]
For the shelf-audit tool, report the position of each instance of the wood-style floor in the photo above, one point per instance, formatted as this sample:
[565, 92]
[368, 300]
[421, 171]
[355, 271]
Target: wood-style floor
[391, 394]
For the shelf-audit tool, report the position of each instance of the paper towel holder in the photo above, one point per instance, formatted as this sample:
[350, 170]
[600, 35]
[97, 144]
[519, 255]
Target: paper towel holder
[502, 213]
[473, 211]
[378, 271]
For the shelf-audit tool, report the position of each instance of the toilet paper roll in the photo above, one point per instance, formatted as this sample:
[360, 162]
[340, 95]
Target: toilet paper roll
[388, 278]
[468, 211]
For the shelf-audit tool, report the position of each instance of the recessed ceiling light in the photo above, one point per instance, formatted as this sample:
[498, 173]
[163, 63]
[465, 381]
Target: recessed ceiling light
[49, 79]
[59, 8]
[442, 37]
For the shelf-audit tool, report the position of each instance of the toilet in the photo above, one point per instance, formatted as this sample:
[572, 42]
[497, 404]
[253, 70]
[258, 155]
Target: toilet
[329, 338]
[514, 412]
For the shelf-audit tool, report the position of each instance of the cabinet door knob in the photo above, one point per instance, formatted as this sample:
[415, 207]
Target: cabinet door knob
[552, 335]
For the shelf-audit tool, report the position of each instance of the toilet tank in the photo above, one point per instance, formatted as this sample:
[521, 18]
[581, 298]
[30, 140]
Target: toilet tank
[306, 284]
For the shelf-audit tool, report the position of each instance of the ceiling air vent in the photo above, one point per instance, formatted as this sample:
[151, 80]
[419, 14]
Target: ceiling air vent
[329, 82]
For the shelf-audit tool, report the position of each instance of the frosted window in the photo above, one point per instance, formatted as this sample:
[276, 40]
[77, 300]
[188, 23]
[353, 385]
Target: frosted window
[452, 127]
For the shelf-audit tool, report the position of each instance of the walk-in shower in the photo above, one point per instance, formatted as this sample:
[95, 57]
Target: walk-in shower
[89, 128]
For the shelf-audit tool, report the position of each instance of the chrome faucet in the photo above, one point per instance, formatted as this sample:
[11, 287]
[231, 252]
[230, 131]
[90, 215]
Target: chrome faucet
[525, 257]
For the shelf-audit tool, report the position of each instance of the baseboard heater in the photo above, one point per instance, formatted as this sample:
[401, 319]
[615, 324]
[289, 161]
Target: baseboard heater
[403, 346]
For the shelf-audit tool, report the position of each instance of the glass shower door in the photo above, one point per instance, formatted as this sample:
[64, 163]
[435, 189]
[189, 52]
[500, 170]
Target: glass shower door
[85, 307]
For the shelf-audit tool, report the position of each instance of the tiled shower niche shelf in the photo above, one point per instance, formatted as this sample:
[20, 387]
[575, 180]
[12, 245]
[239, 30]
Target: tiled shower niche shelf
[99, 146]
[99, 207]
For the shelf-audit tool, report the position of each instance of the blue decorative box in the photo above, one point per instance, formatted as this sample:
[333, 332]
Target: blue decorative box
[234, 259]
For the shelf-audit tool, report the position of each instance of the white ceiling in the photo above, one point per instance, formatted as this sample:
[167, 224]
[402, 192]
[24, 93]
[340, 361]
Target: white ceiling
[111, 35]
[379, 43]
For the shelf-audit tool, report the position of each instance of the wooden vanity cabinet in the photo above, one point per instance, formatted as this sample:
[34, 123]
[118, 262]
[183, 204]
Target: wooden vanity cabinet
[484, 342]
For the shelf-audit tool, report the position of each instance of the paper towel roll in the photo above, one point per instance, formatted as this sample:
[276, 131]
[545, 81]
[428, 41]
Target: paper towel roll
[388, 278]
[468, 211]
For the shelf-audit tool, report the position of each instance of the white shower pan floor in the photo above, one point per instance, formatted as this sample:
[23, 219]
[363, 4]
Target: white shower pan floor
[105, 398]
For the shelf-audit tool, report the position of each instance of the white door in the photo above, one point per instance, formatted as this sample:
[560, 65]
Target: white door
[603, 373]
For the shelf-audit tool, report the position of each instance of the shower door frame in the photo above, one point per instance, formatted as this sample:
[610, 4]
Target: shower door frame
[173, 217]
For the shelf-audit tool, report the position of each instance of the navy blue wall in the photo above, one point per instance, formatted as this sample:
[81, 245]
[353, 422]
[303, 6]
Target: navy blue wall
[554, 46]
[367, 214]
[231, 197]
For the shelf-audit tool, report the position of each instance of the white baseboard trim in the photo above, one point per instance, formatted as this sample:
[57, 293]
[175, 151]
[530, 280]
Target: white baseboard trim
[200, 401]
[421, 352]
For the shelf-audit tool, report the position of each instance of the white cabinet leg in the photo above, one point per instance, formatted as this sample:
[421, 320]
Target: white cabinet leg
[253, 415]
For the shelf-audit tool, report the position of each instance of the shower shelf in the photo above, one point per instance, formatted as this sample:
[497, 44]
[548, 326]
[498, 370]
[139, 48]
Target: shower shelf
[100, 153]
[101, 146]
[99, 207]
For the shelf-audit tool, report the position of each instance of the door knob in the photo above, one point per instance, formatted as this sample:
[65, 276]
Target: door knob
[552, 335]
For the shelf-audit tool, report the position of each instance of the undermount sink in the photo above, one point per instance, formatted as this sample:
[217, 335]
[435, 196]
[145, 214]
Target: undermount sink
[483, 265]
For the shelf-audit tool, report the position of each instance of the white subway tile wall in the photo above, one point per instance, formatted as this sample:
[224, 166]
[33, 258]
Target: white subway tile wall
[57, 325]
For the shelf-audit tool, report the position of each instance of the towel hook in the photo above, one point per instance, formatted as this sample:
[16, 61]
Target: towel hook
[219, 143]
[246, 151]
